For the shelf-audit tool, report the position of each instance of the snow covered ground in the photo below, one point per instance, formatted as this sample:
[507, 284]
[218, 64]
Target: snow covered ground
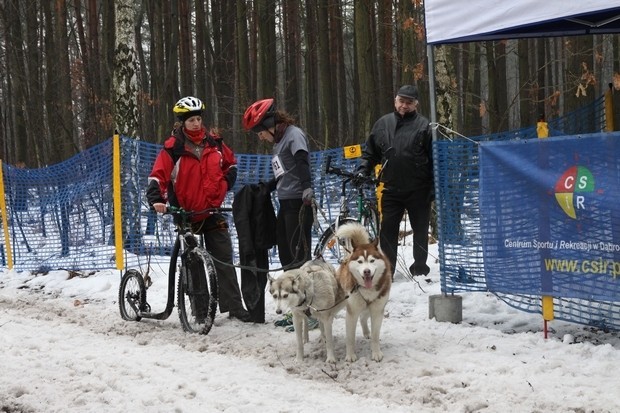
[65, 348]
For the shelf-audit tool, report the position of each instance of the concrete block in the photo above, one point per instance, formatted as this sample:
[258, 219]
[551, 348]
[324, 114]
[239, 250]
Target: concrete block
[446, 308]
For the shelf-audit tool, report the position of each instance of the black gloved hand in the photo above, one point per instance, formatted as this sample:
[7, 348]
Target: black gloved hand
[361, 177]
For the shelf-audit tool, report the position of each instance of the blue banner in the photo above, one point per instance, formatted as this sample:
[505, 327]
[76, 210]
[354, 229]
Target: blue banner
[550, 216]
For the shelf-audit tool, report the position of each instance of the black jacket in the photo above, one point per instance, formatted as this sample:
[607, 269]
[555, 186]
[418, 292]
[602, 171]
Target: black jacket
[255, 221]
[410, 163]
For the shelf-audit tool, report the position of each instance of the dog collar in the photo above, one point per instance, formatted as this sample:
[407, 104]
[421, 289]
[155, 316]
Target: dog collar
[302, 302]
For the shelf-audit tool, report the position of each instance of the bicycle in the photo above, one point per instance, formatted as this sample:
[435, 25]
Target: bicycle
[328, 246]
[197, 289]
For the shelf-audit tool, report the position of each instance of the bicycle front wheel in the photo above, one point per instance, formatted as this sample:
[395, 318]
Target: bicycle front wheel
[370, 221]
[328, 246]
[131, 295]
[197, 292]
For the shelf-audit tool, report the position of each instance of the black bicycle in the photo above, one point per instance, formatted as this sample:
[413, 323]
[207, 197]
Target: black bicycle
[365, 213]
[197, 281]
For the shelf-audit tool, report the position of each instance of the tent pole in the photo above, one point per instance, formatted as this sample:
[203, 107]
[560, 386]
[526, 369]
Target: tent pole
[431, 85]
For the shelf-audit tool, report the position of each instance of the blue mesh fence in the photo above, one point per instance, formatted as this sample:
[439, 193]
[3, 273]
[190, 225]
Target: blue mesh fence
[61, 217]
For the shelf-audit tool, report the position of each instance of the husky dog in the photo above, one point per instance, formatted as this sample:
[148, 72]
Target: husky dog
[313, 290]
[366, 277]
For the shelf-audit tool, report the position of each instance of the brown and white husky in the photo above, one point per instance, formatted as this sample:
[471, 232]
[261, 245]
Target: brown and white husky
[366, 277]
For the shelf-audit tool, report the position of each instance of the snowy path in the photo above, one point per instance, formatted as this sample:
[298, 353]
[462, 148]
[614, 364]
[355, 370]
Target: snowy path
[64, 348]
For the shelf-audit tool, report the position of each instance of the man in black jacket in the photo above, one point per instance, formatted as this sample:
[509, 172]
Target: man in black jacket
[407, 175]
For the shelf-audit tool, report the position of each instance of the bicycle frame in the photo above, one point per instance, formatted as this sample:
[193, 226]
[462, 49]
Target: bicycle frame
[365, 207]
[188, 259]
[180, 245]
[367, 213]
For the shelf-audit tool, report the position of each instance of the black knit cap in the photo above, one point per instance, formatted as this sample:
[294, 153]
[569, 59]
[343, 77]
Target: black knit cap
[408, 91]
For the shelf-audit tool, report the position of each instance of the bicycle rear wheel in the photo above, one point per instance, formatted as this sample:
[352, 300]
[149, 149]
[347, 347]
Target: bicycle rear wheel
[131, 295]
[197, 292]
[328, 246]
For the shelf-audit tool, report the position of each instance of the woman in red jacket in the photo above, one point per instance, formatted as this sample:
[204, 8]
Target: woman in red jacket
[194, 171]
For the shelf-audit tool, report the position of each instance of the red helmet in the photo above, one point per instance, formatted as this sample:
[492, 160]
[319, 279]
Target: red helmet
[256, 113]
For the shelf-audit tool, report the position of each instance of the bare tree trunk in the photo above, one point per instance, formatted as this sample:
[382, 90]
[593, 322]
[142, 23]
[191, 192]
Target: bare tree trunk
[88, 90]
[146, 122]
[126, 120]
[541, 79]
[223, 16]
[106, 67]
[34, 73]
[311, 66]
[125, 68]
[170, 93]
[606, 73]
[65, 107]
[492, 105]
[292, 58]
[500, 83]
[485, 121]
[471, 112]
[558, 64]
[157, 64]
[512, 85]
[18, 82]
[386, 57]
[365, 63]
[328, 113]
[339, 73]
[186, 67]
[444, 92]
[527, 84]
[58, 90]
[243, 71]
[201, 50]
[94, 51]
[266, 85]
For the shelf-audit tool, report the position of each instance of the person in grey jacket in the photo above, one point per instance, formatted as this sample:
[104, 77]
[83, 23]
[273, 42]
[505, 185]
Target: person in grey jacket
[402, 140]
[292, 179]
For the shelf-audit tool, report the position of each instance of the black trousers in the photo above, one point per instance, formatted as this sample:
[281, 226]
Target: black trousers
[294, 233]
[218, 243]
[394, 203]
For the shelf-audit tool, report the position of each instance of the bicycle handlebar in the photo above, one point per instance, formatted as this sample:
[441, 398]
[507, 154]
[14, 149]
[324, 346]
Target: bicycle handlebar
[172, 210]
[357, 180]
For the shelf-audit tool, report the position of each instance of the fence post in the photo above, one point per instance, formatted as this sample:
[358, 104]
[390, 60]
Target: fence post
[609, 109]
[5, 221]
[116, 183]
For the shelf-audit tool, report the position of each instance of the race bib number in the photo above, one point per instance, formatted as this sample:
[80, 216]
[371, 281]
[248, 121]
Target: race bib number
[276, 165]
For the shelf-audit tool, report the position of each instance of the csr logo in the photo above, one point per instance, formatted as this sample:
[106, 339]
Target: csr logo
[571, 187]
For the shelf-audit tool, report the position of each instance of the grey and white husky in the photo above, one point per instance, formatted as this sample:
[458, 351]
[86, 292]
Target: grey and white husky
[313, 290]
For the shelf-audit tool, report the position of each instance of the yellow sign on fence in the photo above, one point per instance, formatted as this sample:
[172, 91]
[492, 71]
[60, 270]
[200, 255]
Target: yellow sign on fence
[353, 151]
